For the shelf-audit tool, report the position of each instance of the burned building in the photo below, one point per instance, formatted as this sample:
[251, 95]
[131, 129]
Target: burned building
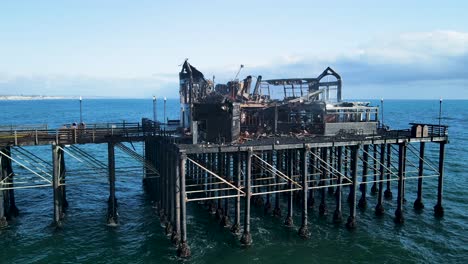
[276, 107]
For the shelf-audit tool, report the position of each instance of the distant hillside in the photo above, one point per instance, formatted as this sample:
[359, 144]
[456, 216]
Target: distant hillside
[32, 97]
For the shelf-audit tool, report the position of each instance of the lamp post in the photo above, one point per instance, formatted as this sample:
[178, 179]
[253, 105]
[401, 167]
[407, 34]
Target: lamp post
[382, 109]
[155, 116]
[81, 110]
[165, 99]
[440, 114]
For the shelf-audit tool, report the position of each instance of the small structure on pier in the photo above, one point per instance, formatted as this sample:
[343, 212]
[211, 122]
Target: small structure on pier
[302, 106]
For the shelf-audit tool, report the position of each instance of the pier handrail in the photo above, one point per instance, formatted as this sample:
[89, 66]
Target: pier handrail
[90, 133]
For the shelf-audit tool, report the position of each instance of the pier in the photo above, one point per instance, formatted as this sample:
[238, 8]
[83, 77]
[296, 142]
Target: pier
[261, 153]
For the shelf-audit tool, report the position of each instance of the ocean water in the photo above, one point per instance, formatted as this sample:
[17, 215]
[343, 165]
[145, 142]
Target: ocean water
[85, 237]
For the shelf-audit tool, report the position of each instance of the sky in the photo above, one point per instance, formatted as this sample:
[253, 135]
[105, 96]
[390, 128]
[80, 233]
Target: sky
[134, 49]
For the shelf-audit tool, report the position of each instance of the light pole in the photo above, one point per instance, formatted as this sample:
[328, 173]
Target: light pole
[381, 109]
[165, 110]
[154, 109]
[440, 114]
[81, 111]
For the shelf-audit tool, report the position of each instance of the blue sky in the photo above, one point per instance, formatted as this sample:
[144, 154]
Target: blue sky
[390, 49]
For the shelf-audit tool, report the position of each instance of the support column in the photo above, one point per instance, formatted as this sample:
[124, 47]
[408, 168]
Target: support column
[268, 208]
[438, 209]
[337, 215]
[112, 202]
[365, 166]
[379, 209]
[56, 185]
[290, 170]
[176, 231]
[183, 250]
[228, 177]
[220, 171]
[388, 192]
[418, 204]
[170, 195]
[157, 162]
[237, 173]
[351, 223]
[258, 200]
[323, 210]
[331, 164]
[147, 157]
[63, 171]
[304, 230]
[279, 165]
[3, 175]
[246, 238]
[167, 195]
[347, 168]
[313, 171]
[212, 203]
[163, 182]
[12, 209]
[374, 188]
[401, 174]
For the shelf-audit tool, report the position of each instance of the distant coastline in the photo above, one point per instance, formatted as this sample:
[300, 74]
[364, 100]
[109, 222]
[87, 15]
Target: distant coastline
[33, 97]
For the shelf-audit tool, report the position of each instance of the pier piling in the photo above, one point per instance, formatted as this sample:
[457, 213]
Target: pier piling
[379, 208]
[112, 216]
[304, 230]
[183, 250]
[365, 169]
[388, 191]
[246, 238]
[418, 203]
[351, 222]
[337, 215]
[237, 174]
[323, 210]
[290, 169]
[401, 174]
[438, 209]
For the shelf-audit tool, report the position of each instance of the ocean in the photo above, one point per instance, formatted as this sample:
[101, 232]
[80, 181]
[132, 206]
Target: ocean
[140, 238]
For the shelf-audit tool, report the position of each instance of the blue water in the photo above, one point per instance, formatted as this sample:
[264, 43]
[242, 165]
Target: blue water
[85, 238]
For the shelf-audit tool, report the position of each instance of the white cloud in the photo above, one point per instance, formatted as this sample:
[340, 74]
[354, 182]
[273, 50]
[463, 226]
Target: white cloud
[418, 47]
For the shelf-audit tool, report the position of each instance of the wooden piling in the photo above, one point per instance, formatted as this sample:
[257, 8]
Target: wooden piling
[246, 238]
[304, 230]
[183, 250]
[379, 209]
[337, 215]
[351, 222]
[401, 174]
[177, 202]
[365, 169]
[56, 185]
[237, 173]
[418, 203]
[388, 191]
[438, 209]
[323, 210]
[112, 202]
[290, 169]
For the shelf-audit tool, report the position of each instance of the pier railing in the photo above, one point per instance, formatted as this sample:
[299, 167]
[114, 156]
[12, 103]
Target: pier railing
[34, 135]
[89, 133]
[100, 132]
